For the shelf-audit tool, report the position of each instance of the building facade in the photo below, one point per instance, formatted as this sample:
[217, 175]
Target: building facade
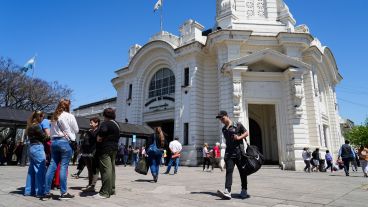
[274, 77]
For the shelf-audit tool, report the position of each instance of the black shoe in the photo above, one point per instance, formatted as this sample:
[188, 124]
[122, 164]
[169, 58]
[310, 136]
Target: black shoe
[66, 196]
[155, 178]
[46, 197]
[166, 173]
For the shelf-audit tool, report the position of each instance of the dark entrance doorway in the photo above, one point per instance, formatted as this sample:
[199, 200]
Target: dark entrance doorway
[168, 129]
[255, 134]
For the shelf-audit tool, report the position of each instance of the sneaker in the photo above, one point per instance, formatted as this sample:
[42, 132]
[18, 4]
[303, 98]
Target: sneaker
[66, 196]
[46, 197]
[90, 188]
[244, 194]
[226, 195]
[98, 196]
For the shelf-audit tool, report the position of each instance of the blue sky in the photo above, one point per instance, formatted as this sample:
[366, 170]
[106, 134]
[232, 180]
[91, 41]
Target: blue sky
[80, 43]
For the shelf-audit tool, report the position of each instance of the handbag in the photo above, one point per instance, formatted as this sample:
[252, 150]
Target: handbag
[142, 166]
[14, 158]
[252, 160]
[176, 155]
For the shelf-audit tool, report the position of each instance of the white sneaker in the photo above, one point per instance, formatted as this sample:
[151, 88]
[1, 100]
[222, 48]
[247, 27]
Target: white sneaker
[98, 196]
[226, 195]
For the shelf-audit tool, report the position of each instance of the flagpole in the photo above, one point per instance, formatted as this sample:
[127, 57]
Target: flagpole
[161, 15]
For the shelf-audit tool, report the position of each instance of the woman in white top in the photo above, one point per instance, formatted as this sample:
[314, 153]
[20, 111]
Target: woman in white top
[63, 129]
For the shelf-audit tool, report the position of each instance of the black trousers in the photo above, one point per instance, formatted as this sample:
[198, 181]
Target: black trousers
[329, 165]
[206, 161]
[230, 164]
[91, 166]
[346, 164]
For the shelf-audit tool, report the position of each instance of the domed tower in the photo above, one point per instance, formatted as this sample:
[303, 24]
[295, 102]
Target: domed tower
[265, 17]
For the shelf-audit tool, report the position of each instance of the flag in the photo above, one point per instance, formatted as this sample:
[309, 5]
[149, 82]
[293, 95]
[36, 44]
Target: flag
[157, 5]
[29, 65]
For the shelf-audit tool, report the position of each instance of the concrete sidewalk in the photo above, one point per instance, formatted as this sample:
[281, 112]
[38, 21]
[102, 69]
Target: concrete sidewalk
[193, 187]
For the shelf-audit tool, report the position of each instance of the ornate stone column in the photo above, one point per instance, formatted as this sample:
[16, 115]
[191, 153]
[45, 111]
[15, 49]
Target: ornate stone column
[298, 125]
[237, 95]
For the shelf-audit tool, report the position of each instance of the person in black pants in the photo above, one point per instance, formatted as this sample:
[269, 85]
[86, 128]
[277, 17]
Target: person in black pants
[88, 149]
[347, 154]
[234, 133]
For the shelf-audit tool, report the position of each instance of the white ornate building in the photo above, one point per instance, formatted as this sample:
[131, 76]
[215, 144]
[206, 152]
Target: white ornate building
[271, 75]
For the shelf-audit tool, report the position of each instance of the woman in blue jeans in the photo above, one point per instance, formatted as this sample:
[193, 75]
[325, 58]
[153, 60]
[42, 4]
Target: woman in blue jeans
[63, 129]
[35, 184]
[155, 146]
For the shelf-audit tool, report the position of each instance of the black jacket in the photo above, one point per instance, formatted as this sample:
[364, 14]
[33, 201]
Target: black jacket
[110, 134]
[36, 134]
[88, 142]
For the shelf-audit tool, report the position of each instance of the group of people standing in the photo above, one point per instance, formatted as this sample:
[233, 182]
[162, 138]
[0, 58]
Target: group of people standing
[347, 156]
[99, 148]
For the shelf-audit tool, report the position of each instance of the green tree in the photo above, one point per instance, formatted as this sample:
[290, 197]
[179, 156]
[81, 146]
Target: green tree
[358, 135]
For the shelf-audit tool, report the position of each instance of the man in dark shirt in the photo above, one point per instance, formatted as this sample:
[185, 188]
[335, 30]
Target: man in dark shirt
[234, 134]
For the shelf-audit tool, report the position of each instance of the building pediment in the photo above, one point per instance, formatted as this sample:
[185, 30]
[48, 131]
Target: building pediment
[269, 56]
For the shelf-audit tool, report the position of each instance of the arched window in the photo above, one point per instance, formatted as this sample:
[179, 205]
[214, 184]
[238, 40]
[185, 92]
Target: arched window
[162, 83]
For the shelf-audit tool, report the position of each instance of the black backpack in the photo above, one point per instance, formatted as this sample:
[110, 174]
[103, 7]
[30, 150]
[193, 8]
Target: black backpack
[252, 161]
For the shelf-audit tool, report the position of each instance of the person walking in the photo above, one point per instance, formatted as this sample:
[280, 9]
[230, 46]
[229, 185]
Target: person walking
[175, 147]
[206, 157]
[135, 156]
[63, 129]
[3, 152]
[217, 156]
[315, 160]
[347, 154]
[108, 137]
[88, 150]
[329, 160]
[234, 134]
[307, 159]
[363, 159]
[35, 183]
[155, 147]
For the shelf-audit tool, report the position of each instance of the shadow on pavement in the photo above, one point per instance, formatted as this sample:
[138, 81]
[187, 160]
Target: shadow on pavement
[19, 191]
[207, 193]
[143, 181]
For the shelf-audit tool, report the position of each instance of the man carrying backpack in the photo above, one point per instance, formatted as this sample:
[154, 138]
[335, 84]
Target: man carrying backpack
[347, 154]
[234, 133]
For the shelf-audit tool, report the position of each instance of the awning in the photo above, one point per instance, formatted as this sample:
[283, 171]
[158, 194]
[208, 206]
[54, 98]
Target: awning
[18, 118]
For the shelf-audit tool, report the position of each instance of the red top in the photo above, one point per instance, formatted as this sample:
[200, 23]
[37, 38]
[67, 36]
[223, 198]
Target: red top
[216, 149]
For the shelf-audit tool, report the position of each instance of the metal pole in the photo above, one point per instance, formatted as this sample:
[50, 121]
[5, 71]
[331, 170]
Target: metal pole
[161, 16]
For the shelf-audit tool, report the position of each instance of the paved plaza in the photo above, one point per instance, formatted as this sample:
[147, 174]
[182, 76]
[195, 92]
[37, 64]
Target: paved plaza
[192, 187]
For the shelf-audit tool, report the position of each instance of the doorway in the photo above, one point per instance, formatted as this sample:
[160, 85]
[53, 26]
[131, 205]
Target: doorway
[263, 131]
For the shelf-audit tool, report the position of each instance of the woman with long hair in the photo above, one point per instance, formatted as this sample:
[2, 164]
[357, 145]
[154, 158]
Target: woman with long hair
[155, 147]
[35, 184]
[63, 129]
